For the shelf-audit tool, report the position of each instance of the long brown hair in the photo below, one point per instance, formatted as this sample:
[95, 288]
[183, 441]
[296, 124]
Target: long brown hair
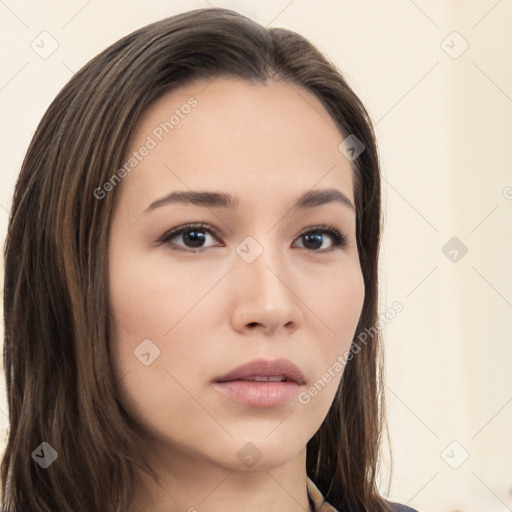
[60, 385]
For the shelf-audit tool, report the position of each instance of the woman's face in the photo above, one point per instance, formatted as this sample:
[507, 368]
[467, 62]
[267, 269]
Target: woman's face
[258, 282]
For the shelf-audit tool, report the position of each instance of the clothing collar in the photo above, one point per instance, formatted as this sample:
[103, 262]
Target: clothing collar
[320, 505]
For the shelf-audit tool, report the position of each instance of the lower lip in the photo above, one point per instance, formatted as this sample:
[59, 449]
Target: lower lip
[259, 394]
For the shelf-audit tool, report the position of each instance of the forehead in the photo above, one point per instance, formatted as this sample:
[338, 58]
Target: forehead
[225, 133]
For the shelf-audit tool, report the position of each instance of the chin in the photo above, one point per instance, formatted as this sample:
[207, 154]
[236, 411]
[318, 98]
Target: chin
[260, 453]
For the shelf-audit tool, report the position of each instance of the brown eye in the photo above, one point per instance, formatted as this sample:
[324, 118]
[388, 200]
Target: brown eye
[190, 237]
[314, 238]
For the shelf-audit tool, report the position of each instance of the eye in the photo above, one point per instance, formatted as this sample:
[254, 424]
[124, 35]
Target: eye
[315, 237]
[192, 235]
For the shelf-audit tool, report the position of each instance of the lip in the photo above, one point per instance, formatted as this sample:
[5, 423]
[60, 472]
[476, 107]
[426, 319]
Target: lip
[265, 368]
[236, 386]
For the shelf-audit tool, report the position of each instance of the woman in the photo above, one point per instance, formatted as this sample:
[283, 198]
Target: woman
[191, 274]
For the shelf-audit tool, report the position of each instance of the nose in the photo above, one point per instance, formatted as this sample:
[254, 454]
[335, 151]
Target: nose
[264, 296]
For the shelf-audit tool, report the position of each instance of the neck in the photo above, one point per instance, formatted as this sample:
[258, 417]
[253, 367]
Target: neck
[188, 484]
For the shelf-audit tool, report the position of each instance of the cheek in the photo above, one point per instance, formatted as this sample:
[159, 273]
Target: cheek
[135, 298]
[147, 298]
[139, 313]
[338, 306]
[157, 318]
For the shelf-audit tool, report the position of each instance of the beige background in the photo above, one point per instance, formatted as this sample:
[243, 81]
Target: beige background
[444, 125]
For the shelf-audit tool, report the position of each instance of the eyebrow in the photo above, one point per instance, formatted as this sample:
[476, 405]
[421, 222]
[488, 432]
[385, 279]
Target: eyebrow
[311, 199]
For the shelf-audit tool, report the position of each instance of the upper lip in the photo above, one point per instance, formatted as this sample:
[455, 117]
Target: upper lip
[265, 368]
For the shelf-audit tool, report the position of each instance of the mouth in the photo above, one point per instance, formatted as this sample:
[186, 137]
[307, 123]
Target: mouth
[261, 370]
[267, 378]
[262, 383]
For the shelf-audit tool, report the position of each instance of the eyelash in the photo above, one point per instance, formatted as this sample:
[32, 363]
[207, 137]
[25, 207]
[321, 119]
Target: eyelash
[339, 240]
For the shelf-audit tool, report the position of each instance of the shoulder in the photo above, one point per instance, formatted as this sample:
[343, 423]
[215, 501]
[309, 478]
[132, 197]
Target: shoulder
[397, 507]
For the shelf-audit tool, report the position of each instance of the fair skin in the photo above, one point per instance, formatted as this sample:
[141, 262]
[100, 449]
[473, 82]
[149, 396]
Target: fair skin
[211, 311]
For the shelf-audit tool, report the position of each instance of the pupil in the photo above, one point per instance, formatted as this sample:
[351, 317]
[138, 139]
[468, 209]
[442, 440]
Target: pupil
[195, 238]
[317, 241]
